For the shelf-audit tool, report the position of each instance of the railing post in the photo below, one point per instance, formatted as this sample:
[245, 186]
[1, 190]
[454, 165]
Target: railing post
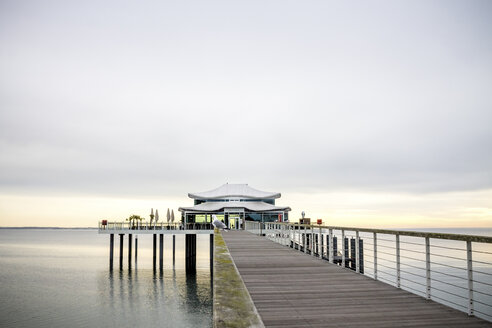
[469, 265]
[111, 251]
[427, 268]
[304, 237]
[320, 244]
[375, 248]
[330, 246]
[291, 236]
[398, 260]
[343, 248]
[299, 238]
[357, 264]
[286, 235]
[312, 240]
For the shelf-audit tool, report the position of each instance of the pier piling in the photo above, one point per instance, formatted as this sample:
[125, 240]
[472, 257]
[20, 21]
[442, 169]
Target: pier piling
[130, 250]
[154, 239]
[161, 252]
[211, 253]
[111, 251]
[136, 249]
[121, 251]
[190, 251]
[174, 248]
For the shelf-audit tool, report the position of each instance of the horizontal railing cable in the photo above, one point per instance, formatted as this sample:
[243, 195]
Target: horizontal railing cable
[411, 243]
[448, 274]
[481, 282]
[448, 301]
[447, 247]
[448, 292]
[413, 281]
[481, 262]
[477, 301]
[485, 314]
[385, 266]
[386, 253]
[412, 266]
[449, 257]
[410, 250]
[414, 290]
[481, 272]
[413, 274]
[449, 266]
[387, 281]
[448, 283]
[482, 252]
[411, 258]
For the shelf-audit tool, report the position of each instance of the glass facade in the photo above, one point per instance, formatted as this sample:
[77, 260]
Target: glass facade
[200, 201]
[234, 215]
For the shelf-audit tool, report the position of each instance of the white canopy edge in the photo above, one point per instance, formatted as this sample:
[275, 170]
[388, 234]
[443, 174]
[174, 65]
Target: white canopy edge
[234, 190]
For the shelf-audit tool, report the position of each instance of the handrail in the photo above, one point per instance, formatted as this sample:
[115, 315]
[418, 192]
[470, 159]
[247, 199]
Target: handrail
[436, 235]
[475, 266]
[141, 226]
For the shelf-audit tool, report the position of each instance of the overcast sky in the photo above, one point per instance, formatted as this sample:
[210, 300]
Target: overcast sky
[152, 100]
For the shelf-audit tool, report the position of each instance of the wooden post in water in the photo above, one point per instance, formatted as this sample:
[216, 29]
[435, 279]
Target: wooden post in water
[136, 249]
[212, 254]
[111, 249]
[121, 251]
[161, 251]
[130, 250]
[174, 248]
[190, 250]
[154, 250]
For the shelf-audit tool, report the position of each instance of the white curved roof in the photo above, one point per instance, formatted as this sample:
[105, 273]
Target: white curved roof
[219, 206]
[234, 190]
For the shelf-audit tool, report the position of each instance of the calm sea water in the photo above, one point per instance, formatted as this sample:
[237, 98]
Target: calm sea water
[60, 278]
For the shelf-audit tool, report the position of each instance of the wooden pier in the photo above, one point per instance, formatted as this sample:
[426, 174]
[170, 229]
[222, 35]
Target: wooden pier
[291, 289]
[190, 231]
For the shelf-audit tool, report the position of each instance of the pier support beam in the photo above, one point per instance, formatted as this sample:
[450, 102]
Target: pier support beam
[121, 251]
[111, 250]
[211, 254]
[174, 249]
[136, 249]
[161, 252]
[190, 251]
[130, 250]
[154, 236]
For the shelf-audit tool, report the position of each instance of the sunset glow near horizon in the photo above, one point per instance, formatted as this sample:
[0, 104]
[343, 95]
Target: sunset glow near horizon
[361, 114]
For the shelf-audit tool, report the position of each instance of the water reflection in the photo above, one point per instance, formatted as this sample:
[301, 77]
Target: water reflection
[164, 297]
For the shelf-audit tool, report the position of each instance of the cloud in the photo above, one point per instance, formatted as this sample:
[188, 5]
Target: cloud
[158, 100]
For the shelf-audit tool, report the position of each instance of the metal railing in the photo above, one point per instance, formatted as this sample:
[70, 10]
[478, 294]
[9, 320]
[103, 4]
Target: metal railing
[139, 226]
[452, 269]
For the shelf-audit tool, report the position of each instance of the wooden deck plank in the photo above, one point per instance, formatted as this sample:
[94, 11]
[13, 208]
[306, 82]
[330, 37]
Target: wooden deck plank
[292, 289]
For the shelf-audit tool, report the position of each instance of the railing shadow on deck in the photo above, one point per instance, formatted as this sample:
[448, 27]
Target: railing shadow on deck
[452, 269]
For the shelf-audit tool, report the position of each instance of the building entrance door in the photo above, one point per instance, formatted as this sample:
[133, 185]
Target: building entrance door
[233, 221]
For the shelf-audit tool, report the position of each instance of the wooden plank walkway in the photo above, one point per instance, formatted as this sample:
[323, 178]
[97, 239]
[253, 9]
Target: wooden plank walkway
[291, 289]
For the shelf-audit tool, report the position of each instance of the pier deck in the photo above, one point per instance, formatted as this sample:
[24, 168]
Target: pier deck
[291, 289]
